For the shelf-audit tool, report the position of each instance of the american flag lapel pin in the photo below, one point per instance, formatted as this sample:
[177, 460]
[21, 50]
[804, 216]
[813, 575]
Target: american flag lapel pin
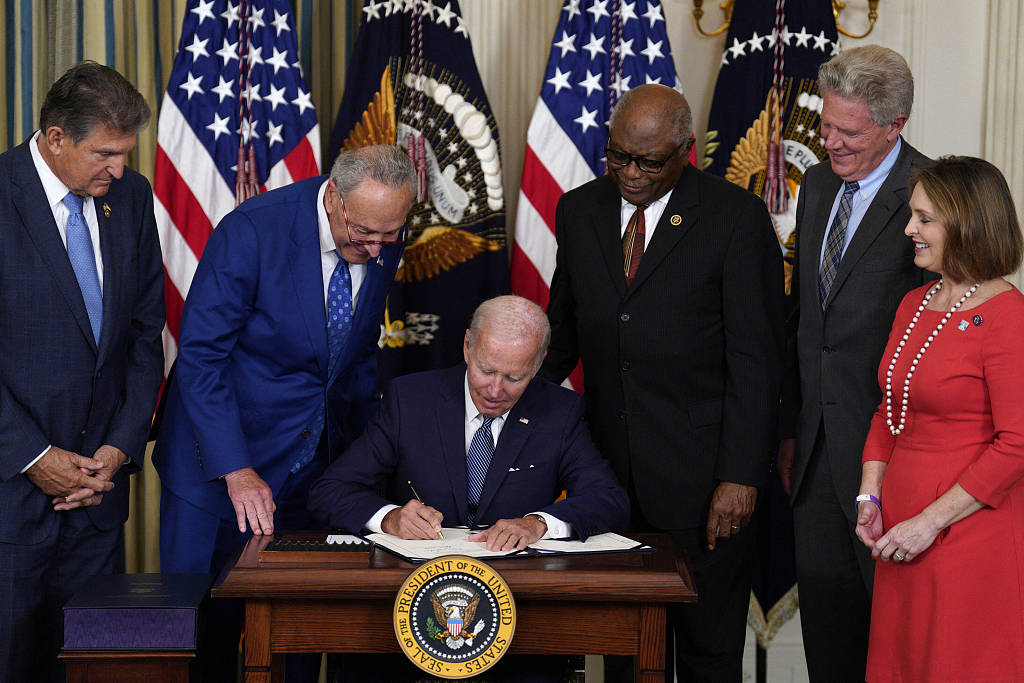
[524, 420]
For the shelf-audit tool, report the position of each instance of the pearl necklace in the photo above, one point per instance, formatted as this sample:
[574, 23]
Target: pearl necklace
[894, 429]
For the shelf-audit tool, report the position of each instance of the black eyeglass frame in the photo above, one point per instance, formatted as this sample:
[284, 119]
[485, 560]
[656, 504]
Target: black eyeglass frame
[650, 166]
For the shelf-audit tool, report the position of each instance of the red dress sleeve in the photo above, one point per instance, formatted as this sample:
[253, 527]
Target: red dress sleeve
[1001, 465]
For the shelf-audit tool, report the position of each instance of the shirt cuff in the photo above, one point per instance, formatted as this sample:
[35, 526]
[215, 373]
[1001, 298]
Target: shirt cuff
[378, 517]
[35, 459]
[556, 527]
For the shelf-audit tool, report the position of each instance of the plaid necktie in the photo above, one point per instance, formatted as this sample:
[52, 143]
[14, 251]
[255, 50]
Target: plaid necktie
[83, 262]
[633, 243]
[834, 242]
[478, 459]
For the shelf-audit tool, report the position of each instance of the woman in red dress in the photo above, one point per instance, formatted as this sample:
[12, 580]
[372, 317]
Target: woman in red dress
[942, 494]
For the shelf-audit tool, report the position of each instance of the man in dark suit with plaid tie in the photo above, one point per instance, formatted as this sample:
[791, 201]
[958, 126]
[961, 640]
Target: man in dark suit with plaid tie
[853, 266]
[81, 311]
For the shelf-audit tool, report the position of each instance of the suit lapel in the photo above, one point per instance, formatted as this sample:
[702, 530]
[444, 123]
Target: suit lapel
[307, 277]
[887, 201]
[32, 205]
[685, 198]
[111, 237]
[451, 424]
[606, 224]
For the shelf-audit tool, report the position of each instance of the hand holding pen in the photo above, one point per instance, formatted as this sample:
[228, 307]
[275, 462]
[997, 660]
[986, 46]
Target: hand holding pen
[414, 520]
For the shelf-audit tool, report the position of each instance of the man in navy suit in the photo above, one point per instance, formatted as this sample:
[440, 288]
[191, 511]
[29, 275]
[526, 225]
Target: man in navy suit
[81, 311]
[537, 444]
[276, 365]
[485, 443]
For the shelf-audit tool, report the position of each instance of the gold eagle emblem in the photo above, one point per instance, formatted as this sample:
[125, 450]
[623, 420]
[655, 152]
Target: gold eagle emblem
[750, 155]
[377, 126]
[440, 248]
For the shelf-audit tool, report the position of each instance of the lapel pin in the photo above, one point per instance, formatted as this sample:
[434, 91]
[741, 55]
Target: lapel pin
[977, 321]
[524, 420]
[963, 325]
[676, 219]
[106, 210]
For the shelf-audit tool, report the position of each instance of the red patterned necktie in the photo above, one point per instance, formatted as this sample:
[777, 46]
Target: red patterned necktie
[633, 243]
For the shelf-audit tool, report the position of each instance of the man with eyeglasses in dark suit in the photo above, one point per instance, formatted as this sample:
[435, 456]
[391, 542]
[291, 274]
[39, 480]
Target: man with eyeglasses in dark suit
[668, 286]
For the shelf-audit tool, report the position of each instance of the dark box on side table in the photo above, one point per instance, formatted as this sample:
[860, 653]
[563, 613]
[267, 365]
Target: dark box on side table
[136, 612]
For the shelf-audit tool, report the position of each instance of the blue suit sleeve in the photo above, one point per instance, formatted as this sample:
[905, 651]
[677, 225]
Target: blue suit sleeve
[219, 302]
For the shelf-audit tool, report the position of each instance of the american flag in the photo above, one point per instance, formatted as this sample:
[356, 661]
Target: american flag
[600, 49]
[236, 96]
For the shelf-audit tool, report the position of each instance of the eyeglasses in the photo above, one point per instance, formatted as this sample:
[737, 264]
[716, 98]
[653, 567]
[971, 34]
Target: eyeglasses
[621, 159]
[360, 240]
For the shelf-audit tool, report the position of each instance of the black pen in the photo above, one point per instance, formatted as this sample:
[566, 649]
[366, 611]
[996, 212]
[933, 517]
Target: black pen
[413, 489]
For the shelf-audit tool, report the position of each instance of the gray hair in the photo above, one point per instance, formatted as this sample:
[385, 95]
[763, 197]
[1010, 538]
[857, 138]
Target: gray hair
[89, 94]
[872, 74]
[680, 116]
[386, 164]
[514, 318]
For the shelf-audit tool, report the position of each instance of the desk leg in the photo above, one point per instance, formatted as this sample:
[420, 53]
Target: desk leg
[649, 664]
[257, 642]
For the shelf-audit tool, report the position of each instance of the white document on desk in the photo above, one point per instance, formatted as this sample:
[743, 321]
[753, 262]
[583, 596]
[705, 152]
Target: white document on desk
[456, 542]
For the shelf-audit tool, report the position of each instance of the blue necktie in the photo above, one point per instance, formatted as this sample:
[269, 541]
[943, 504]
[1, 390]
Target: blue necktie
[478, 459]
[83, 262]
[835, 240]
[339, 311]
[339, 324]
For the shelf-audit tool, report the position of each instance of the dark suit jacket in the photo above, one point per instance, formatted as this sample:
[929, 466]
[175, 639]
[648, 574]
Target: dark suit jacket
[56, 386]
[682, 370]
[252, 356]
[419, 436]
[833, 354]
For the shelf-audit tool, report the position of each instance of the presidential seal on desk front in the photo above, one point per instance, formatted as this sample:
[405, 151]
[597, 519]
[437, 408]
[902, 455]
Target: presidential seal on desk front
[454, 617]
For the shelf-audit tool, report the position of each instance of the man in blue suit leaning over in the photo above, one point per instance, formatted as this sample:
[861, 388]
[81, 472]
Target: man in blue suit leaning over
[276, 365]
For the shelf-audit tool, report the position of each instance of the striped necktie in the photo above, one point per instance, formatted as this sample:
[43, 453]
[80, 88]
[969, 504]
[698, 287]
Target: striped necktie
[478, 459]
[834, 242]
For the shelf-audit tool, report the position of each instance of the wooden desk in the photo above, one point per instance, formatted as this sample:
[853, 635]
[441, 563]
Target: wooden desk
[586, 604]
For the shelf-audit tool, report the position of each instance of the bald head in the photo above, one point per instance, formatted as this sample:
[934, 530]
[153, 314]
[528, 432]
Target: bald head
[652, 103]
[514, 320]
[651, 123]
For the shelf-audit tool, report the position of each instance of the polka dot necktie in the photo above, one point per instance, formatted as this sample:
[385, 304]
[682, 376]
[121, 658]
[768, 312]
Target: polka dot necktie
[339, 324]
[339, 311]
[83, 261]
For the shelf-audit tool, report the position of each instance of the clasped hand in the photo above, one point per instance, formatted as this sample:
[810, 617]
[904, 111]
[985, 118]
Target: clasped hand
[74, 480]
[911, 536]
